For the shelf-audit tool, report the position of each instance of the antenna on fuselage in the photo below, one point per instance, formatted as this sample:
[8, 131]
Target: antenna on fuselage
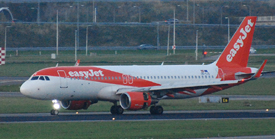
[56, 65]
[162, 63]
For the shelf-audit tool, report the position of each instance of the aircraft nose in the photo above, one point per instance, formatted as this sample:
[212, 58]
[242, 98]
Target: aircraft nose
[25, 89]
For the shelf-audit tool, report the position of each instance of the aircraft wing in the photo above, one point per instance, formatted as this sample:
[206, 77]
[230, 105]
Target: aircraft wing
[177, 86]
[197, 85]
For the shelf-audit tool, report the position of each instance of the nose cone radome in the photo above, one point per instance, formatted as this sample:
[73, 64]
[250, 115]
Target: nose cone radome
[28, 89]
[24, 89]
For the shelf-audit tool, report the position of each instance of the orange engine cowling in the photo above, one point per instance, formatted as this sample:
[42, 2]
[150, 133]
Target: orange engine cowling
[135, 100]
[75, 104]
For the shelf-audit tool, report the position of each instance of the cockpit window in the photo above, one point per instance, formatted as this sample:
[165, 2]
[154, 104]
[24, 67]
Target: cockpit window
[41, 78]
[47, 78]
[35, 78]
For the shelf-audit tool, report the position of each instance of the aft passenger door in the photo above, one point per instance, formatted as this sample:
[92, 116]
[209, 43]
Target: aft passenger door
[63, 79]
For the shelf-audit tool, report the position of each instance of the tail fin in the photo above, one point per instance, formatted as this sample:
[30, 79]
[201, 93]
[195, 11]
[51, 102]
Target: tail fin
[236, 52]
[77, 62]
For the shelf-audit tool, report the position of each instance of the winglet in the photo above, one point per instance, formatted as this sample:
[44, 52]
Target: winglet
[259, 72]
[77, 62]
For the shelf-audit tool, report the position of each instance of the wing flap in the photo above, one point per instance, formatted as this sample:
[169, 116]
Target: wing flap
[182, 86]
[125, 90]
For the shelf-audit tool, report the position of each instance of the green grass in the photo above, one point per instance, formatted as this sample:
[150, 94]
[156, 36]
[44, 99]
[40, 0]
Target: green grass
[140, 129]
[30, 61]
[10, 88]
[262, 86]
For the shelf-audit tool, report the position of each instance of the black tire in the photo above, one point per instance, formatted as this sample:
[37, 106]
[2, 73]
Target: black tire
[113, 110]
[120, 110]
[153, 110]
[158, 110]
[117, 110]
[54, 112]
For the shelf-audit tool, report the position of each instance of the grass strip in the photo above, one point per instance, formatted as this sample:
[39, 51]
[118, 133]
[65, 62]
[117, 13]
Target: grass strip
[29, 62]
[140, 129]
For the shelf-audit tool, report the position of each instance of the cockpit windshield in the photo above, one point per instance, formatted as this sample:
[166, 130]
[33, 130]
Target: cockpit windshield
[42, 78]
[34, 77]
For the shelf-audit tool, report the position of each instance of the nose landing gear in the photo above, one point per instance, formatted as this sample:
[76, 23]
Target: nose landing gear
[56, 107]
[54, 112]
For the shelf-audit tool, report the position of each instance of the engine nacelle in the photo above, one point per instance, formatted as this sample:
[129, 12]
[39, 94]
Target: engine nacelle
[135, 100]
[75, 104]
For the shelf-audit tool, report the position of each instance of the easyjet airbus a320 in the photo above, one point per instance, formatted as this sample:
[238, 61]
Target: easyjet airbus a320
[140, 87]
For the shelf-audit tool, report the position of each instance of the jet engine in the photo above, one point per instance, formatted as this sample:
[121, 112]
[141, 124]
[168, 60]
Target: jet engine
[75, 104]
[135, 100]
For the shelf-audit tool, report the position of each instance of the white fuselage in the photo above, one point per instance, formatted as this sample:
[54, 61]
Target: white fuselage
[82, 87]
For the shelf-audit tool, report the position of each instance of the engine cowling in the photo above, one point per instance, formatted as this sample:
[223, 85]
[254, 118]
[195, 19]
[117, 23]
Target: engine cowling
[75, 104]
[135, 100]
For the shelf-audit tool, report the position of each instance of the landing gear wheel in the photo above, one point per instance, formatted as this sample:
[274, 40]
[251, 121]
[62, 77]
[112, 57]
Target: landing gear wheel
[159, 110]
[116, 110]
[156, 110]
[120, 110]
[152, 109]
[54, 112]
[113, 110]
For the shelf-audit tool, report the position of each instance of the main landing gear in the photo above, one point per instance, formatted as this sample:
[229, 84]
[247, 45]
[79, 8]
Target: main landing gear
[116, 110]
[156, 110]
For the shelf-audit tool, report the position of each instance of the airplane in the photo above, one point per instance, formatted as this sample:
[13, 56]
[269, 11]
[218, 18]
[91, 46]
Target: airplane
[140, 87]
